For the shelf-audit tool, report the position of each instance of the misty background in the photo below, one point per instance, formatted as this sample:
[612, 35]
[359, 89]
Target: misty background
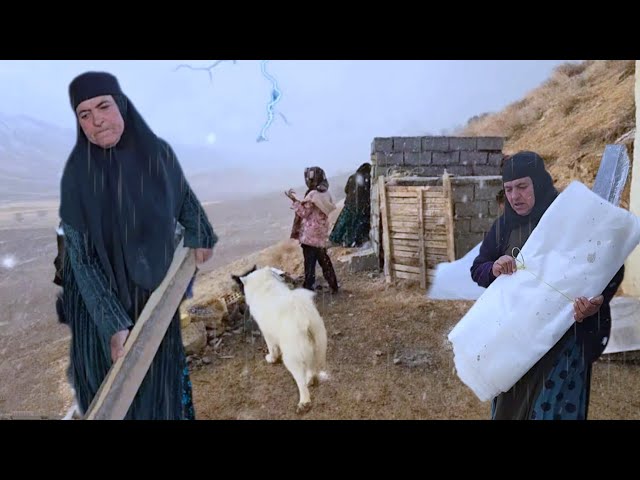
[330, 112]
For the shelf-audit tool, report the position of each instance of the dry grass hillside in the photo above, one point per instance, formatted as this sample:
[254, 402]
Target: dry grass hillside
[570, 118]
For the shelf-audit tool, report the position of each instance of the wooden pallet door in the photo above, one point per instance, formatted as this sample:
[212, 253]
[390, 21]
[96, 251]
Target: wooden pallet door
[417, 230]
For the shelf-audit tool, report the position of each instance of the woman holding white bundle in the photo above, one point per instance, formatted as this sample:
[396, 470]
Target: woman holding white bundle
[557, 386]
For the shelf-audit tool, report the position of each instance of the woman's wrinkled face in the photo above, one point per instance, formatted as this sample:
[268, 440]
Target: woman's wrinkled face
[101, 121]
[520, 195]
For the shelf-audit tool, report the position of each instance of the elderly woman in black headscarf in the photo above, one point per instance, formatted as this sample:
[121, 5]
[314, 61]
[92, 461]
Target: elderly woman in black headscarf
[353, 224]
[123, 194]
[558, 385]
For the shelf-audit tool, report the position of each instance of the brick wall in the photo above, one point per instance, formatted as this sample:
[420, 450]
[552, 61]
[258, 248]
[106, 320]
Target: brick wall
[429, 156]
[474, 163]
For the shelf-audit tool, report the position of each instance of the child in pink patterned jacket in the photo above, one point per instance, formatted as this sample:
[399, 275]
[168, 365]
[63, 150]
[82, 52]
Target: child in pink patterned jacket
[311, 227]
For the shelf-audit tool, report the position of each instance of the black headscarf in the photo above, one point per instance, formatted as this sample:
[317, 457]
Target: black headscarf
[315, 179]
[528, 164]
[125, 198]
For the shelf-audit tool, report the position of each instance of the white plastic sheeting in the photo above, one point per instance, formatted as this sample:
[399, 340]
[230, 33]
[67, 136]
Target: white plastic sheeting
[452, 280]
[577, 248]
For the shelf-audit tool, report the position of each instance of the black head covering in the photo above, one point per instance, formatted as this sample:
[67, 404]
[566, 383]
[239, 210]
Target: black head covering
[315, 179]
[528, 164]
[364, 169]
[125, 198]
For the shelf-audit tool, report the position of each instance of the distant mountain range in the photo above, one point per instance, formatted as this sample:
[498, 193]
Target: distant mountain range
[33, 154]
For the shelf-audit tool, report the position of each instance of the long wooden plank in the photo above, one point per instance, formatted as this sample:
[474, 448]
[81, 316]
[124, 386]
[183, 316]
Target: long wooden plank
[119, 388]
[386, 240]
[423, 273]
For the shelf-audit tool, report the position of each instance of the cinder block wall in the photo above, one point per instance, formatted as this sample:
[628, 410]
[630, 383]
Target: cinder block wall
[474, 163]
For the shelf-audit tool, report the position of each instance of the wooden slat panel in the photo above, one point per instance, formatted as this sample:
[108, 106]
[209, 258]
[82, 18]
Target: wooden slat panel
[393, 194]
[397, 242]
[421, 214]
[407, 276]
[406, 268]
[437, 237]
[404, 211]
[432, 263]
[432, 223]
[386, 241]
[405, 230]
[402, 255]
[429, 190]
[428, 224]
[429, 244]
[402, 201]
[404, 236]
[413, 211]
[405, 248]
[435, 202]
[433, 212]
[396, 223]
[404, 215]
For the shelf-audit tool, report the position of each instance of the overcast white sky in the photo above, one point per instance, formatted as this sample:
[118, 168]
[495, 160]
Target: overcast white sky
[334, 108]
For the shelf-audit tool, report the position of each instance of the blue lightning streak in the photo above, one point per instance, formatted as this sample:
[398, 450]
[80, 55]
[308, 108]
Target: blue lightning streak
[276, 95]
[208, 69]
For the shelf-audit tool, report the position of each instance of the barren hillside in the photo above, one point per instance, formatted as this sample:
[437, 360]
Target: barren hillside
[570, 118]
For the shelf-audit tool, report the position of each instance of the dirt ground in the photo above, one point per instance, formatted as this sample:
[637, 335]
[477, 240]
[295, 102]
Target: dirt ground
[388, 358]
[387, 351]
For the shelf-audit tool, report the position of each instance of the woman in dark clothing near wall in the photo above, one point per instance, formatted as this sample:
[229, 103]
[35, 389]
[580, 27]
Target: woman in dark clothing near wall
[353, 224]
[122, 193]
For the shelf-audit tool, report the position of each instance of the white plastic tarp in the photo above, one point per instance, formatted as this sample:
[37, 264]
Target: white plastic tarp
[452, 280]
[578, 246]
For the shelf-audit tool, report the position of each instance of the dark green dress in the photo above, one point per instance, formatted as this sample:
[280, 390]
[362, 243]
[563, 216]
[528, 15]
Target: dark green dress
[95, 314]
